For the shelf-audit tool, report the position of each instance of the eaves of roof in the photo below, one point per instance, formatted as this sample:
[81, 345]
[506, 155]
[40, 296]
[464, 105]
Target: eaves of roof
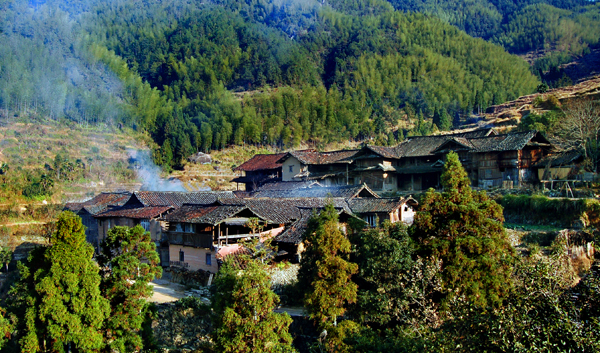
[261, 162]
[135, 213]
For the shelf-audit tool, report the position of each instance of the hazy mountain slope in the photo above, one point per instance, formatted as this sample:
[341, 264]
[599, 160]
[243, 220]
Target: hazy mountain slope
[479, 18]
[200, 76]
[339, 76]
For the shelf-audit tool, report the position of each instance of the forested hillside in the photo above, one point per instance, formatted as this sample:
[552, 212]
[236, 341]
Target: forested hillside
[203, 75]
[522, 24]
[557, 29]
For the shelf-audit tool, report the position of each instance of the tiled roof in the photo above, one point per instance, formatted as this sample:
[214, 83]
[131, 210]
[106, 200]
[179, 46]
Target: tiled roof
[315, 157]
[419, 146]
[235, 255]
[288, 185]
[261, 162]
[203, 214]
[258, 179]
[461, 142]
[347, 191]
[178, 198]
[294, 233]
[242, 194]
[136, 213]
[563, 159]
[507, 142]
[339, 203]
[275, 211]
[100, 202]
[372, 205]
[475, 141]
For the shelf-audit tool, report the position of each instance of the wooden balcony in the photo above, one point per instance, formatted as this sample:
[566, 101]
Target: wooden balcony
[179, 264]
[239, 236]
[197, 240]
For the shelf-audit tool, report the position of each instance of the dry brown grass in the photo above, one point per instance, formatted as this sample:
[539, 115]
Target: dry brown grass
[32, 145]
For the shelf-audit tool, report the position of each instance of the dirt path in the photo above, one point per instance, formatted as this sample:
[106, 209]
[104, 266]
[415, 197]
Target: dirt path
[165, 291]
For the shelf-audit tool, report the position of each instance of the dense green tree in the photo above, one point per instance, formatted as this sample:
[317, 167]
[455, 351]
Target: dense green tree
[129, 261]
[6, 255]
[325, 271]
[57, 297]
[396, 292]
[243, 306]
[383, 256]
[464, 229]
[541, 314]
[7, 326]
[547, 123]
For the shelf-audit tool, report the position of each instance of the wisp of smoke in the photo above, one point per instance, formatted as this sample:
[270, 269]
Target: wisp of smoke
[149, 173]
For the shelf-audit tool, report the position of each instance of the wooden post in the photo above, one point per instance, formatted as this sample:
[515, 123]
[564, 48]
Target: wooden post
[346, 173]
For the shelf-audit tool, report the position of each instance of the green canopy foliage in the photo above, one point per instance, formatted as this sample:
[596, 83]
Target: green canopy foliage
[243, 306]
[57, 297]
[542, 314]
[7, 326]
[464, 229]
[396, 288]
[6, 255]
[129, 261]
[383, 257]
[325, 271]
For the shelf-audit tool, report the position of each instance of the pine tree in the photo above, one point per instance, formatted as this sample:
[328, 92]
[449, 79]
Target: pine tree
[125, 283]
[384, 257]
[464, 229]
[7, 326]
[57, 298]
[325, 270]
[445, 122]
[244, 319]
[5, 256]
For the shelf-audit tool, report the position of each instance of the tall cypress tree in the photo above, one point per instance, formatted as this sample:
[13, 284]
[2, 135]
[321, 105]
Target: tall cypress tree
[57, 297]
[243, 304]
[325, 270]
[464, 229]
[125, 283]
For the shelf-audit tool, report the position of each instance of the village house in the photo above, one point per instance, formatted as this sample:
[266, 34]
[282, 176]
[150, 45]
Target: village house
[564, 165]
[490, 159]
[414, 164]
[290, 243]
[198, 230]
[98, 204]
[200, 237]
[144, 208]
[375, 211]
[258, 170]
[329, 168]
